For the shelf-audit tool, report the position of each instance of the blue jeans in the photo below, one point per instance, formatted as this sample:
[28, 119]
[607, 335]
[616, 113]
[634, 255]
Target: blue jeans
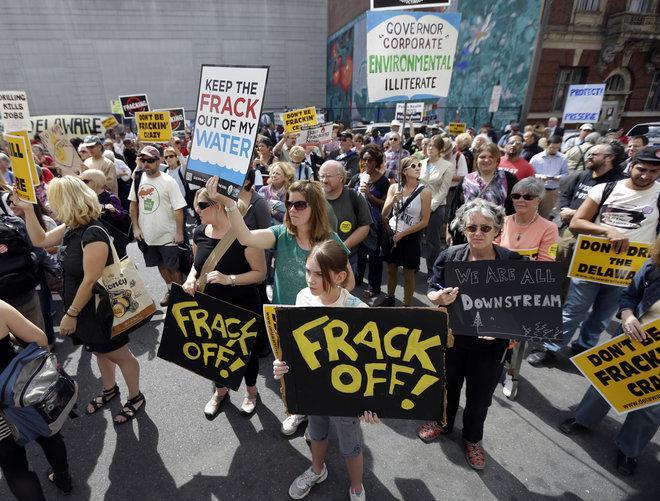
[604, 302]
[637, 430]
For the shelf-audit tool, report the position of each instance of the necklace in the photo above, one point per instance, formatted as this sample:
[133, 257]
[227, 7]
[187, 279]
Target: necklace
[524, 225]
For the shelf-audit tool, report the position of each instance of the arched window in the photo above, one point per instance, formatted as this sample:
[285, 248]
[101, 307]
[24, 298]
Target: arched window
[615, 83]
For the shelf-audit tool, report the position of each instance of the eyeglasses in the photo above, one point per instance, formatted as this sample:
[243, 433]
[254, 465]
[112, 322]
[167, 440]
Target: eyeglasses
[472, 228]
[86, 181]
[300, 205]
[514, 143]
[205, 205]
[149, 160]
[170, 156]
[526, 196]
[394, 139]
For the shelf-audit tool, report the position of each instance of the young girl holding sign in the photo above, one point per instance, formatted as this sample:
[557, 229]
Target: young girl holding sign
[325, 270]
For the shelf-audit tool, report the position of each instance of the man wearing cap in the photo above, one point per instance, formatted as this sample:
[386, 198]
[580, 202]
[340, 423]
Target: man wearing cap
[585, 130]
[96, 160]
[624, 211]
[157, 215]
[346, 155]
[577, 155]
[395, 126]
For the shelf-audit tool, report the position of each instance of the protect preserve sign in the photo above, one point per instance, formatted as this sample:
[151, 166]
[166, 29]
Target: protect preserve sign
[595, 261]
[130, 105]
[410, 55]
[344, 361]
[209, 337]
[154, 126]
[583, 103]
[512, 299]
[624, 371]
[295, 119]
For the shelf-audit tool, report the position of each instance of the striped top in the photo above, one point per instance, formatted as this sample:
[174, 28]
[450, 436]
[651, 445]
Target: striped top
[4, 429]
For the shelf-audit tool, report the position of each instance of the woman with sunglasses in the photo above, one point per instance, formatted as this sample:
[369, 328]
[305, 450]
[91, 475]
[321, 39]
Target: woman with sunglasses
[305, 225]
[234, 279]
[531, 235]
[475, 360]
[405, 214]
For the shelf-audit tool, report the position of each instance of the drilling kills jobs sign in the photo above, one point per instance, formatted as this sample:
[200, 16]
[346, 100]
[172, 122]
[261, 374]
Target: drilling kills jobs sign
[343, 362]
[410, 55]
[209, 337]
[226, 124]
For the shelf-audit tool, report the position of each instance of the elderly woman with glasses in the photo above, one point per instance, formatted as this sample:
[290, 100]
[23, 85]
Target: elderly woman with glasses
[234, 279]
[405, 214]
[475, 360]
[531, 235]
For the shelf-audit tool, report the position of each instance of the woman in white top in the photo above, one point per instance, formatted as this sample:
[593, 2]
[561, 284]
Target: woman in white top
[406, 212]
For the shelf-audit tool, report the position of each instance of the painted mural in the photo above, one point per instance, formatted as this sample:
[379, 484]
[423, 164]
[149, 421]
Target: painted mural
[340, 77]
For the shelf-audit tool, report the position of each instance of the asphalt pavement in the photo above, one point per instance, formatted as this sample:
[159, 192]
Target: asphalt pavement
[172, 452]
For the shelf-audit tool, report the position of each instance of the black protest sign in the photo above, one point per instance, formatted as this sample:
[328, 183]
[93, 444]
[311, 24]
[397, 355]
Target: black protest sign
[130, 105]
[177, 118]
[406, 4]
[344, 361]
[209, 337]
[506, 299]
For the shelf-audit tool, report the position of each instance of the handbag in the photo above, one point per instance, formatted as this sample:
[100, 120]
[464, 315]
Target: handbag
[388, 233]
[132, 306]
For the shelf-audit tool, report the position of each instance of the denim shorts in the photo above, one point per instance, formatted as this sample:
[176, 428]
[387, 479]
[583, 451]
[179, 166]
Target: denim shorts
[348, 429]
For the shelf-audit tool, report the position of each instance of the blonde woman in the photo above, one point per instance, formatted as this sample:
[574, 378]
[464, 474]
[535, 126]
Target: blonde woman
[86, 251]
[281, 177]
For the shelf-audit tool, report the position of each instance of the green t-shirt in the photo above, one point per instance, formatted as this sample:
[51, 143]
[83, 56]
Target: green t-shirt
[290, 265]
[348, 220]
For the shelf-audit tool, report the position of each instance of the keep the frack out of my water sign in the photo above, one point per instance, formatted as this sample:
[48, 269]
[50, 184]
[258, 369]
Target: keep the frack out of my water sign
[410, 55]
[226, 124]
[583, 103]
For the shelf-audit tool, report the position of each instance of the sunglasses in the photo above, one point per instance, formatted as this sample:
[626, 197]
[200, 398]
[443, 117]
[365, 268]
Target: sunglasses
[518, 196]
[170, 156]
[413, 166]
[205, 205]
[86, 181]
[472, 228]
[149, 160]
[394, 139]
[300, 205]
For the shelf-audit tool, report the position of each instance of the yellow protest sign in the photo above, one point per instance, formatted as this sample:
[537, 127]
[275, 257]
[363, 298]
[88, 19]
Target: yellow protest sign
[595, 261]
[115, 107]
[456, 127]
[154, 126]
[625, 372]
[294, 119]
[22, 164]
[110, 122]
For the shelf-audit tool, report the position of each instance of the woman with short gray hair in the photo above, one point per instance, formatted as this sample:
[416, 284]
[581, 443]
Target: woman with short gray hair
[475, 360]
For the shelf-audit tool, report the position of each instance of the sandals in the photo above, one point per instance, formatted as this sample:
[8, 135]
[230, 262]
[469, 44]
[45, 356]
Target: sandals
[430, 431]
[61, 480]
[130, 409]
[212, 408]
[102, 400]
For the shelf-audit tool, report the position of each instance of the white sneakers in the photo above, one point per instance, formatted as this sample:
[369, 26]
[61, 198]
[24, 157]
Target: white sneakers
[304, 483]
[249, 403]
[291, 423]
[510, 387]
[357, 497]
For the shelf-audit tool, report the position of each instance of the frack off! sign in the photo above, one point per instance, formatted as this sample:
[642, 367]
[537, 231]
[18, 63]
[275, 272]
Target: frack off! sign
[410, 55]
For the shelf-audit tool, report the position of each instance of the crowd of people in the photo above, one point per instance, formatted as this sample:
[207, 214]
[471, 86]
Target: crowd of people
[318, 225]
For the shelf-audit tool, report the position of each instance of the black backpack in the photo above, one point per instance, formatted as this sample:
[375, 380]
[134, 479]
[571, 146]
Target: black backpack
[19, 266]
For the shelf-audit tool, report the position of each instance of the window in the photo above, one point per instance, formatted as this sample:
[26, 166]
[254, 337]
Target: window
[639, 6]
[615, 83]
[565, 77]
[587, 5]
[653, 100]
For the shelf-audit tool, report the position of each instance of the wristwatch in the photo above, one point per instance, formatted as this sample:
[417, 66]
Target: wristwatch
[233, 280]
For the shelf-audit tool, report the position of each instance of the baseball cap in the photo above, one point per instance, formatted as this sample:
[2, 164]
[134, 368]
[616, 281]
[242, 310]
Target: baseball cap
[149, 151]
[395, 122]
[586, 127]
[92, 141]
[649, 155]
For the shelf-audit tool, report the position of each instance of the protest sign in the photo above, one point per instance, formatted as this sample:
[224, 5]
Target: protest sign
[456, 127]
[177, 118]
[72, 125]
[22, 165]
[64, 154]
[209, 337]
[595, 261]
[410, 55]
[506, 299]
[414, 112]
[344, 361]
[115, 107]
[405, 4]
[130, 105]
[624, 371]
[318, 134]
[226, 125]
[293, 120]
[14, 111]
[583, 103]
[109, 123]
[153, 126]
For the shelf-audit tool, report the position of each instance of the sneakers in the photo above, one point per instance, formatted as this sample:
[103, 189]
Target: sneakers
[212, 407]
[625, 465]
[510, 386]
[304, 483]
[539, 358]
[291, 423]
[249, 403]
[475, 455]
[357, 497]
[571, 427]
[166, 299]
